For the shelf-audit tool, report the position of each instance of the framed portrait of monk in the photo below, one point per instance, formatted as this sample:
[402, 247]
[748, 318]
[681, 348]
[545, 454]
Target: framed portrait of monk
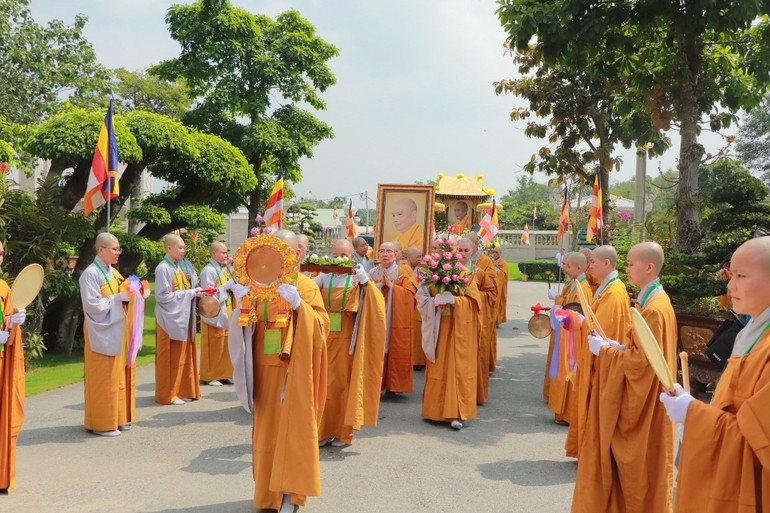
[460, 214]
[405, 215]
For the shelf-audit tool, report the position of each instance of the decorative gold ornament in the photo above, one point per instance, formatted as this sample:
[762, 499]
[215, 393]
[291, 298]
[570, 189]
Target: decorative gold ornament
[262, 263]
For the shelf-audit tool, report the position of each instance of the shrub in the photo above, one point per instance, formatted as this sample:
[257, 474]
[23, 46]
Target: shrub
[535, 269]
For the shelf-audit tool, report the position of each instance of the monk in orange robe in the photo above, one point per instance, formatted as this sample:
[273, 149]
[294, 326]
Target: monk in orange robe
[278, 348]
[398, 286]
[109, 383]
[496, 254]
[592, 280]
[611, 305]
[486, 283]
[450, 343]
[561, 394]
[176, 355]
[414, 259]
[725, 457]
[627, 461]
[356, 349]
[11, 384]
[216, 366]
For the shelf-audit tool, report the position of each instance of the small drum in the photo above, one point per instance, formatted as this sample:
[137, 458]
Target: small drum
[539, 326]
[208, 307]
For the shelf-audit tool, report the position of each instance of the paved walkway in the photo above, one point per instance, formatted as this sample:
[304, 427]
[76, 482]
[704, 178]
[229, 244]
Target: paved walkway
[197, 457]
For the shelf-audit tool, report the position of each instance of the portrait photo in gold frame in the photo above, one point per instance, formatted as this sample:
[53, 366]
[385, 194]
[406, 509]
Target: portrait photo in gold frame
[404, 214]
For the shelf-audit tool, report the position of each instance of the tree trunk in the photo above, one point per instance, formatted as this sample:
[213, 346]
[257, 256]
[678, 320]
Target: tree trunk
[68, 321]
[688, 205]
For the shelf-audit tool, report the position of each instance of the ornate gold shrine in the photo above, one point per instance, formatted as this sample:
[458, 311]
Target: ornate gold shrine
[262, 263]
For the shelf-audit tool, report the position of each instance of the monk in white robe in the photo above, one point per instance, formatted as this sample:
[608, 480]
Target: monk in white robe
[216, 366]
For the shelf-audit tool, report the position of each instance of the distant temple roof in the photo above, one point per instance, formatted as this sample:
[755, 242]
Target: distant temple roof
[462, 186]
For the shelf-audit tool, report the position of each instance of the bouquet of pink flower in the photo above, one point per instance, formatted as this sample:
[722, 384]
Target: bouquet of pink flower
[443, 270]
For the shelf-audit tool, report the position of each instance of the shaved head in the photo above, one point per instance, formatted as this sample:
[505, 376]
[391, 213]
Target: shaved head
[413, 251]
[217, 246]
[288, 237]
[103, 240]
[756, 251]
[606, 253]
[649, 253]
[576, 259]
[342, 247]
[750, 280]
[172, 240]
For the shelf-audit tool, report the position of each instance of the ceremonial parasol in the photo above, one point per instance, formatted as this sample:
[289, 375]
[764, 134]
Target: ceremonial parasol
[646, 340]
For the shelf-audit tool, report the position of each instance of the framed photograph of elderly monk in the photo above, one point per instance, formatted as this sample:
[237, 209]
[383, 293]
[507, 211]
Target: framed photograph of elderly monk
[405, 215]
[460, 213]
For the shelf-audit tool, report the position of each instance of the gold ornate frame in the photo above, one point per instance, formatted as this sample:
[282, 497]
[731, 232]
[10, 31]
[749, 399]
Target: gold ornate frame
[241, 275]
[424, 196]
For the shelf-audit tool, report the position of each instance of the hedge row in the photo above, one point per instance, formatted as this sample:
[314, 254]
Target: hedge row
[535, 269]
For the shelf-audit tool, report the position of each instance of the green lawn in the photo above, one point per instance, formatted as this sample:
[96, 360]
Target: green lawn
[55, 370]
[513, 271]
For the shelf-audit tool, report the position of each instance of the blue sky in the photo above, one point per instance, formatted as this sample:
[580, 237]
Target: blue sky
[413, 98]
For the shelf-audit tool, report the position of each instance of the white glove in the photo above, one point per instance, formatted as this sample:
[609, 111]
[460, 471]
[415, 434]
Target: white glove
[290, 294]
[617, 345]
[445, 298]
[124, 296]
[18, 318]
[595, 344]
[676, 405]
[552, 294]
[239, 291]
[360, 275]
[4, 337]
[229, 284]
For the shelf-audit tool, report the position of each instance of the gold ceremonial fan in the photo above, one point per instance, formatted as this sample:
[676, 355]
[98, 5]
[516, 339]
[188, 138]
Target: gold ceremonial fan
[646, 340]
[27, 286]
[263, 262]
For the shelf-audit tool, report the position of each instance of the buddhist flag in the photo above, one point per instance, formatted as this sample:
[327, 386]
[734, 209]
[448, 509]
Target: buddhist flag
[525, 235]
[564, 221]
[103, 179]
[274, 211]
[487, 228]
[350, 224]
[596, 220]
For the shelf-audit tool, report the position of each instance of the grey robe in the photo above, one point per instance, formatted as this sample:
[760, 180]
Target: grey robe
[209, 279]
[174, 310]
[105, 317]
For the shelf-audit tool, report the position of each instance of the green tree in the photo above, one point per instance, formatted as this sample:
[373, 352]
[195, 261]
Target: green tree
[137, 90]
[518, 206]
[694, 62]
[752, 146]
[39, 64]
[249, 75]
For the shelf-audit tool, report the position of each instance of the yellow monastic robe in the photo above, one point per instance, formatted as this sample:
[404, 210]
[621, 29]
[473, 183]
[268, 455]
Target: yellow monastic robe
[560, 300]
[176, 361]
[462, 226]
[725, 459]
[289, 393]
[450, 382]
[108, 384]
[627, 461]
[398, 374]
[612, 309]
[488, 342]
[353, 383]
[562, 395]
[215, 359]
[502, 277]
[418, 357]
[11, 394]
[414, 237]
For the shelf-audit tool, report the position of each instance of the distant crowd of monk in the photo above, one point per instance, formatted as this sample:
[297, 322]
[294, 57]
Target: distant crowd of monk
[312, 364]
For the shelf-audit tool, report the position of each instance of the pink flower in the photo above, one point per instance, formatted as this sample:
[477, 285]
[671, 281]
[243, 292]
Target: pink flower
[268, 231]
[434, 277]
[447, 254]
[455, 277]
[450, 242]
[447, 267]
[439, 241]
[451, 229]
[466, 281]
[258, 218]
[254, 231]
[426, 258]
[446, 279]
[432, 264]
[4, 168]
[435, 256]
[194, 236]
[459, 266]
[230, 260]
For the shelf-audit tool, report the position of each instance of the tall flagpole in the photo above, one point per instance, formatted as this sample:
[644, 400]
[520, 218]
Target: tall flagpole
[600, 206]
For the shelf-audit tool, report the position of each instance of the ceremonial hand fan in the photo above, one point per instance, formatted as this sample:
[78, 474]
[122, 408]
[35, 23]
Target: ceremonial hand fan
[27, 286]
[646, 340]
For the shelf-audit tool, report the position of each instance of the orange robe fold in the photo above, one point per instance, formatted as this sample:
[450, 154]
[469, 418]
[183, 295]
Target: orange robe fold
[215, 361]
[353, 383]
[485, 275]
[502, 276]
[612, 309]
[559, 301]
[450, 381]
[562, 395]
[725, 459]
[12, 390]
[627, 462]
[398, 373]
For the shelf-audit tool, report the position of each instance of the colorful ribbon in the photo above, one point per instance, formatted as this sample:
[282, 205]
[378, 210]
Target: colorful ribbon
[135, 319]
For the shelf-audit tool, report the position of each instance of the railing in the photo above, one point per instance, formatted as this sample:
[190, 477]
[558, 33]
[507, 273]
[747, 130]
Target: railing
[542, 244]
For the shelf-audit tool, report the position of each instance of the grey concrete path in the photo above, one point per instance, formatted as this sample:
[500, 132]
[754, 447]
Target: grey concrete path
[197, 457]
